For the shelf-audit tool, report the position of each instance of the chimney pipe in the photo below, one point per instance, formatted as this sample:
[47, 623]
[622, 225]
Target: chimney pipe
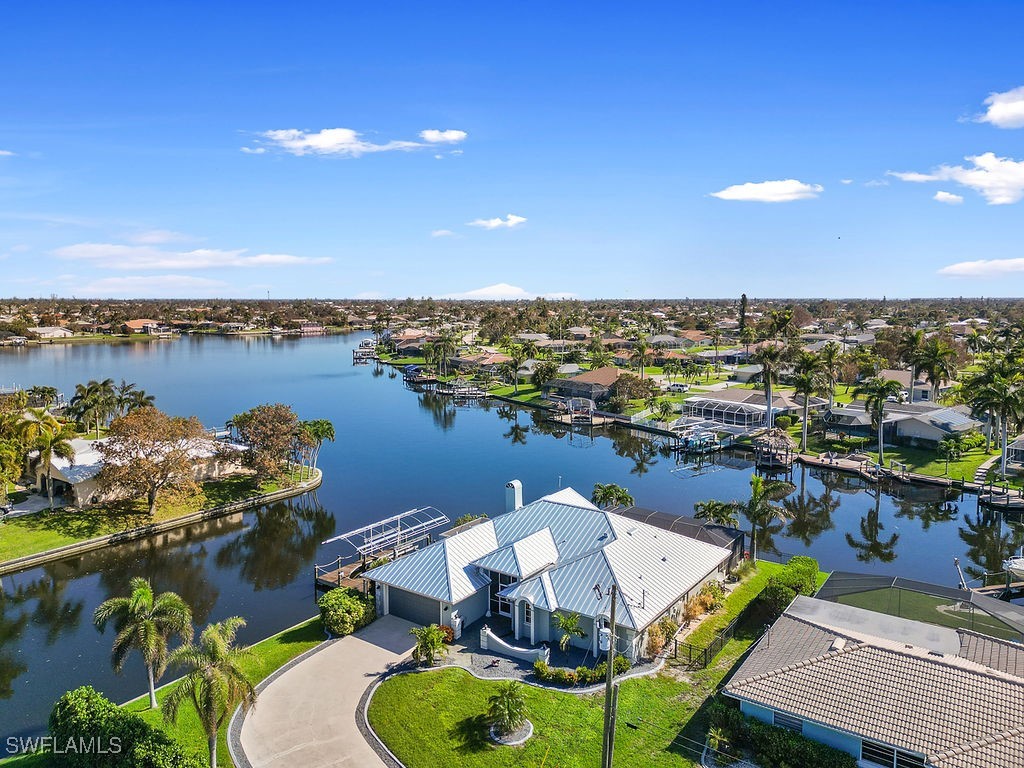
[513, 495]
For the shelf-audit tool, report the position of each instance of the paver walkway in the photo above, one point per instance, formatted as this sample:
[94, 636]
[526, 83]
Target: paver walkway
[307, 716]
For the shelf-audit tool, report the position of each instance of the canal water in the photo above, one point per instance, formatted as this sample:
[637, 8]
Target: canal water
[396, 450]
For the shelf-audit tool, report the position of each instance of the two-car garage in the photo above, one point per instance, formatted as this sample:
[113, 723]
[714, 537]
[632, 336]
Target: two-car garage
[410, 606]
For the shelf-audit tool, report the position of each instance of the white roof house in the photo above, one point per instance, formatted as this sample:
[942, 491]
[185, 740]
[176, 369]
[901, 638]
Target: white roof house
[548, 556]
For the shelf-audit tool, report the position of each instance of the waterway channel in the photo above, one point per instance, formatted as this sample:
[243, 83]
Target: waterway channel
[396, 450]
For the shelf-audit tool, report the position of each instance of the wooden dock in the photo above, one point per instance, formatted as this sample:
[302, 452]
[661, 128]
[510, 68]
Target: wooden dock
[346, 576]
[1009, 591]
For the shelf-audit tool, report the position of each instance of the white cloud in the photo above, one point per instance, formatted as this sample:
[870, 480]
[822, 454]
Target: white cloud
[948, 198]
[442, 233]
[159, 237]
[154, 286]
[1005, 110]
[783, 191]
[846, 181]
[999, 180]
[506, 292]
[510, 221]
[6, 153]
[344, 142]
[876, 183]
[984, 268]
[434, 136]
[114, 256]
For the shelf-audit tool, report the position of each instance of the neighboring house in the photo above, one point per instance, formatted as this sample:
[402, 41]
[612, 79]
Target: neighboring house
[918, 423]
[612, 341]
[50, 332]
[887, 690]
[75, 479]
[689, 339]
[623, 357]
[1015, 453]
[546, 558]
[138, 326]
[922, 389]
[488, 362]
[594, 385]
[746, 407]
[665, 341]
[744, 374]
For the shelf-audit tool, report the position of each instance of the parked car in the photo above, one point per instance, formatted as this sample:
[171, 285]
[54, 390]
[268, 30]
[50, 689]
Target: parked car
[678, 387]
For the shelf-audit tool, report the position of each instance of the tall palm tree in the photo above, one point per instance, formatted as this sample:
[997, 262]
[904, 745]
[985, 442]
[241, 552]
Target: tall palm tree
[610, 495]
[873, 547]
[770, 357]
[831, 368]
[445, 347]
[760, 510]
[214, 681]
[748, 337]
[318, 431]
[128, 398]
[144, 623]
[1003, 397]
[642, 352]
[510, 370]
[908, 347]
[808, 380]
[876, 393]
[717, 512]
[716, 340]
[600, 357]
[41, 431]
[937, 361]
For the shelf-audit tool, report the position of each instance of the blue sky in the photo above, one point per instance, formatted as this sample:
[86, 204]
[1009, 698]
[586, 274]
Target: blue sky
[593, 149]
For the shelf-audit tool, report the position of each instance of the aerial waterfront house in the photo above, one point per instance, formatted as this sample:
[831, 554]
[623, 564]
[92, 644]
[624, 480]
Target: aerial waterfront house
[915, 424]
[593, 385]
[50, 332]
[537, 559]
[888, 690]
[921, 389]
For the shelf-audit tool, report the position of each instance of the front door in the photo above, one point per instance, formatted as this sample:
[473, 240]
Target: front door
[499, 605]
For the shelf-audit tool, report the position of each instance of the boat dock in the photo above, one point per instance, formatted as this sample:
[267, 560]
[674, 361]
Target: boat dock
[343, 576]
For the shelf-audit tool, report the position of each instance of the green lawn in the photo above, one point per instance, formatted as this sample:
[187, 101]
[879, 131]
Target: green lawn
[927, 462]
[32, 534]
[438, 718]
[927, 608]
[269, 655]
[528, 393]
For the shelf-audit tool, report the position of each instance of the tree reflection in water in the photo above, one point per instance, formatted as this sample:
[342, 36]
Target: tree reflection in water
[13, 620]
[872, 546]
[442, 409]
[281, 542]
[809, 515]
[989, 541]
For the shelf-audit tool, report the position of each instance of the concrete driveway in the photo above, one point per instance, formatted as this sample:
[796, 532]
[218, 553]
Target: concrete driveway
[307, 716]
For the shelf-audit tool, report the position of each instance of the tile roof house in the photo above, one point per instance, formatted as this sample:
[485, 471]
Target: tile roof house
[889, 691]
[546, 557]
[595, 385]
[913, 423]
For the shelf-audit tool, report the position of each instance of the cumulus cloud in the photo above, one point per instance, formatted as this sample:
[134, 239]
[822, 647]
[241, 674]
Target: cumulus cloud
[984, 268]
[876, 183]
[6, 153]
[113, 256]
[154, 286]
[509, 222]
[434, 136]
[999, 180]
[344, 142]
[1005, 110]
[782, 191]
[442, 233]
[948, 198]
[506, 292]
[846, 181]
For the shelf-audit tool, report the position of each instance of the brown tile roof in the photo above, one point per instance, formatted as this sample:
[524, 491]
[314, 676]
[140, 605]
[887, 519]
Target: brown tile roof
[947, 707]
[604, 376]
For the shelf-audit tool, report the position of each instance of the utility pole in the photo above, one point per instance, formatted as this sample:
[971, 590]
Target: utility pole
[610, 693]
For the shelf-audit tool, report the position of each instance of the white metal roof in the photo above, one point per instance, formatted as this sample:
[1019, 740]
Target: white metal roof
[522, 558]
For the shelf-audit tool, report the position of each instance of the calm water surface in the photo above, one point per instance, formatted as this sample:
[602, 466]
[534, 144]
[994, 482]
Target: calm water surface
[396, 450]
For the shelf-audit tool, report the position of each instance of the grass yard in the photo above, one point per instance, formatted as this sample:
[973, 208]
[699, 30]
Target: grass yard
[36, 533]
[528, 393]
[438, 718]
[928, 462]
[268, 656]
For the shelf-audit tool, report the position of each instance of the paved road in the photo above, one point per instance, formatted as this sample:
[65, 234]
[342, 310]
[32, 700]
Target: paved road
[307, 716]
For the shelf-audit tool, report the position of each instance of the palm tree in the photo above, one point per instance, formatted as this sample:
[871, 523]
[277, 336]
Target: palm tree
[831, 368]
[445, 347]
[937, 360]
[129, 398]
[759, 509]
[600, 357]
[717, 512]
[747, 337]
[510, 370]
[718, 740]
[876, 393]
[44, 433]
[909, 348]
[145, 623]
[506, 709]
[214, 682]
[610, 496]
[568, 626]
[666, 410]
[318, 431]
[544, 372]
[770, 357]
[808, 380]
[716, 339]
[43, 396]
[94, 402]
[642, 352]
[430, 643]
[1003, 397]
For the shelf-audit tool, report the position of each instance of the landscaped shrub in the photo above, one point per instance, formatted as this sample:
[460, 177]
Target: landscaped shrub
[581, 675]
[803, 571]
[449, 634]
[620, 665]
[344, 610]
[715, 594]
[744, 569]
[692, 609]
[776, 597]
[669, 627]
[783, 422]
[102, 735]
[655, 640]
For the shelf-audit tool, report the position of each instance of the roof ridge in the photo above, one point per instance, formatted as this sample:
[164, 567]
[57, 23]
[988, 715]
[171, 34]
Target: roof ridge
[800, 664]
[622, 595]
[970, 746]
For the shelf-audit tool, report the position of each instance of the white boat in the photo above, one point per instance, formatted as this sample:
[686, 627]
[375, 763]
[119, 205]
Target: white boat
[1015, 565]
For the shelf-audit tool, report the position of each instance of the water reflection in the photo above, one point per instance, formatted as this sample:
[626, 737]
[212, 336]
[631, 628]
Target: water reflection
[809, 515]
[442, 409]
[989, 541]
[13, 620]
[516, 433]
[873, 546]
[281, 542]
